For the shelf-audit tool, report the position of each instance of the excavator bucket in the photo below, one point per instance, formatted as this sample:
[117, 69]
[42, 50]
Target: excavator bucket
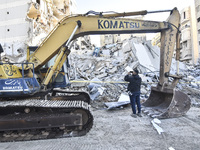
[170, 104]
[165, 101]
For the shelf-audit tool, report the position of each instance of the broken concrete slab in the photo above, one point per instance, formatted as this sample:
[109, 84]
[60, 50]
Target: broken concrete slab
[106, 53]
[128, 69]
[113, 70]
[126, 47]
[145, 59]
[157, 127]
[124, 97]
[113, 105]
[123, 100]
[95, 88]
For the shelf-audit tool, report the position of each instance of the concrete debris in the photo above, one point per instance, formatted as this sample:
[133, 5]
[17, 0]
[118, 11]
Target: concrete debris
[14, 52]
[171, 148]
[190, 82]
[155, 123]
[111, 70]
[113, 105]
[148, 58]
[79, 83]
[123, 57]
[128, 69]
[124, 97]
[123, 100]
[95, 88]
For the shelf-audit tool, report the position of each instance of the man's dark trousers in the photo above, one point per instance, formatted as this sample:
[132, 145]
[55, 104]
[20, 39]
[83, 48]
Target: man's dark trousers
[135, 99]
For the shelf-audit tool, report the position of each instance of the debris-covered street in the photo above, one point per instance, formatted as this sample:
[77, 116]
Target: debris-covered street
[116, 129]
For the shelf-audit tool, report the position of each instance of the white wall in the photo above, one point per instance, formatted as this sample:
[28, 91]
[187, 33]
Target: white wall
[13, 23]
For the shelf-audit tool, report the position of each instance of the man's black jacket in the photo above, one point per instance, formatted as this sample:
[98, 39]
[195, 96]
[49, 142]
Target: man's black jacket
[134, 82]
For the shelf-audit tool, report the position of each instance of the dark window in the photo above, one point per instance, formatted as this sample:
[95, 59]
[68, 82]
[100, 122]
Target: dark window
[184, 15]
[198, 20]
[185, 44]
[38, 1]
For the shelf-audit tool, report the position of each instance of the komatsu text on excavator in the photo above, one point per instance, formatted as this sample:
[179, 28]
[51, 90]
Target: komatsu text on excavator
[30, 106]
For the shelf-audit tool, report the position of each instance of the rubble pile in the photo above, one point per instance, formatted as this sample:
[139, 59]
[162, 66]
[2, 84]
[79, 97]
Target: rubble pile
[103, 76]
[190, 83]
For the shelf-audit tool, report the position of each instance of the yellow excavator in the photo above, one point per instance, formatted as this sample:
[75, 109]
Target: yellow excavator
[32, 106]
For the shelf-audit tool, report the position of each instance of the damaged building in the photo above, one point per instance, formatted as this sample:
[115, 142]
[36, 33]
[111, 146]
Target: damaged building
[30, 21]
[189, 39]
[27, 22]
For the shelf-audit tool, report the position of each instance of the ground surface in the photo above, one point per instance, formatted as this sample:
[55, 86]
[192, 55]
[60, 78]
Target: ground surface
[116, 129]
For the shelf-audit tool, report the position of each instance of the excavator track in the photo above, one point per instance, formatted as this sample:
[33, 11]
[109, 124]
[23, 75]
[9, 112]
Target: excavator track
[54, 117]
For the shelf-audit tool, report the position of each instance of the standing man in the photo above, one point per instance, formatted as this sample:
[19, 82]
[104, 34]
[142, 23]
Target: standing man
[96, 51]
[134, 91]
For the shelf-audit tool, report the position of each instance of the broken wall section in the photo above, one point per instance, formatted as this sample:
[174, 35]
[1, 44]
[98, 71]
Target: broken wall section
[15, 29]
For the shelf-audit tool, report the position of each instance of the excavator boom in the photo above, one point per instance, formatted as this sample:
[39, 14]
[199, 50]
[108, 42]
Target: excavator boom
[90, 25]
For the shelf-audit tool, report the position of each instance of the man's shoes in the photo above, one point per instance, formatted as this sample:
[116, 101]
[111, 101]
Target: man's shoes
[134, 115]
[139, 114]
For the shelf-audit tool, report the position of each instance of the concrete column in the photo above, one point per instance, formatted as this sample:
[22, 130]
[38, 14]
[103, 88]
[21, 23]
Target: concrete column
[194, 35]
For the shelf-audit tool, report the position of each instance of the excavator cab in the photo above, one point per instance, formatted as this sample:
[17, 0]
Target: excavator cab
[61, 80]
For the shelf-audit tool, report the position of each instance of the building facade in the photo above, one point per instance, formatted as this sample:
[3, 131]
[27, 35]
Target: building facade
[197, 10]
[186, 38]
[190, 42]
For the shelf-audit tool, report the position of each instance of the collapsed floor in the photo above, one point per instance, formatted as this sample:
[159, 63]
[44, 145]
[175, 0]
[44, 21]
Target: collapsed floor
[103, 76]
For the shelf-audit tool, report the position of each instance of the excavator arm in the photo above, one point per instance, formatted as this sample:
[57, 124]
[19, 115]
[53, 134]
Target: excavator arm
[89, 25]
[73, 27]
